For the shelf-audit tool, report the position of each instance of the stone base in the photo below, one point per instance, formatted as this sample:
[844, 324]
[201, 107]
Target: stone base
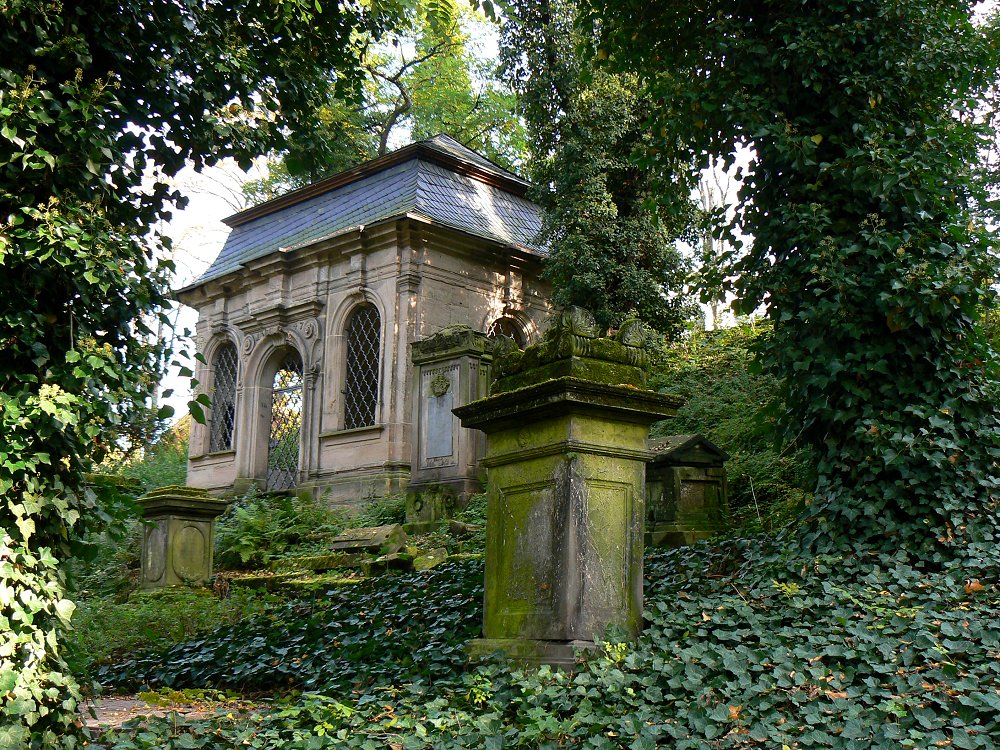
[530, 653]
[675, 536]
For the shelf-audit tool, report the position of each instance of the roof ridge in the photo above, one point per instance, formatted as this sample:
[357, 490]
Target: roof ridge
[460, 159]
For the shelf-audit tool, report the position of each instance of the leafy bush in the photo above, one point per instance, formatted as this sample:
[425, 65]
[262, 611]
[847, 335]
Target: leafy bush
[727, 399]
[257, 528]
[380, 631]
[105, 630]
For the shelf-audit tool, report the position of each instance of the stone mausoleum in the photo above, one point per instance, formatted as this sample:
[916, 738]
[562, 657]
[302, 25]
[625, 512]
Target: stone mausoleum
[342, 322]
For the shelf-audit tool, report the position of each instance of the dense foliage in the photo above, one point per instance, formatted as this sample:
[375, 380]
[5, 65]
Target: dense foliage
[728, 399]
[428, 80]
[108, 629]
[869, 248]
[745, 647]
[610, 249]
[377, 631]
[100, 102]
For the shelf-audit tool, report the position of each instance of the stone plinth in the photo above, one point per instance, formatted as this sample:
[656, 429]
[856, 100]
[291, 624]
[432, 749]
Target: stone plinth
[451, 368]
[177, 547]
[566, 430]
[687, 496]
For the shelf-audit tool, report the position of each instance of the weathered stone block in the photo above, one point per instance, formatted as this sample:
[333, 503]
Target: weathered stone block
[430, 559]
[566, 458]
[390, 562]
[378, 540]
[177, 546]
[686, 491]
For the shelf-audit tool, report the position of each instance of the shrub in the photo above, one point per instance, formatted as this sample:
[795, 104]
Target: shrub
[259, 527]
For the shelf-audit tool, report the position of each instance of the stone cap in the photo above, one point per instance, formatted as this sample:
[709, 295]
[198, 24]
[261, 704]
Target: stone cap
[572, 348]
[619, 402]
[175, 500]
[451, 341]
[687, 450]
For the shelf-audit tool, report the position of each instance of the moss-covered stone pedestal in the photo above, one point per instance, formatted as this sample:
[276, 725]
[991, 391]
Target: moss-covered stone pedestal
[566, 426]
[177, 547]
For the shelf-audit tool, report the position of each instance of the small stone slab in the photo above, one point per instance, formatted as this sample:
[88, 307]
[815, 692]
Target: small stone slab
[385, 563]
[377, 540]
[430, 559]
[317, 563]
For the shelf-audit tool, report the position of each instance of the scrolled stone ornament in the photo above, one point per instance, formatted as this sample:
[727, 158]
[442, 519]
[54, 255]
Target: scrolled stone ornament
[633, 333]
[579, 321]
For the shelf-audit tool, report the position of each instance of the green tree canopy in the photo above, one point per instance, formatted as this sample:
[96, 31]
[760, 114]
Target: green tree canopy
[869, 249]
[611, 248]
[99, 101]
[423, 80]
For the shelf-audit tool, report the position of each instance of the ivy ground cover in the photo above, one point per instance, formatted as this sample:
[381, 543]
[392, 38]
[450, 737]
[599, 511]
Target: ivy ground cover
[748, 644]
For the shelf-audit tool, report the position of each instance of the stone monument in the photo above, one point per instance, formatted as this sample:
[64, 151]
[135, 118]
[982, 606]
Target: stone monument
[451, 368]
[687, 496]
[177, 545]
[566, 426]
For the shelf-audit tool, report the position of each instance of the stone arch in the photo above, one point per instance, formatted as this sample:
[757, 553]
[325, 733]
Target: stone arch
[266, 359]
[517, 320]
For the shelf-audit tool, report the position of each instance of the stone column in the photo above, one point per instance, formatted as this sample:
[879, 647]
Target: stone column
[451, 368]
[177, 548]
[566, 425]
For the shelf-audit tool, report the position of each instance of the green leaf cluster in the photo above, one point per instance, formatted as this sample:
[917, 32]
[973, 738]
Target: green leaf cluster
[94, 99]
[864, 224]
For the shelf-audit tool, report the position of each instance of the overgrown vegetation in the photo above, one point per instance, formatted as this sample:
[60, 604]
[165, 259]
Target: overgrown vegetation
[744, 647]
[870, 247]
[259, 527]
[106, 630]
[377, 631]
[730, 401]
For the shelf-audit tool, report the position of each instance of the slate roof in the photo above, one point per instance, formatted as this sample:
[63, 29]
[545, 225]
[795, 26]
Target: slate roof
[439, 180]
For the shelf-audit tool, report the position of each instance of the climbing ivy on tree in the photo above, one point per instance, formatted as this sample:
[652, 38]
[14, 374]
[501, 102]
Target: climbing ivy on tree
[869, 247]
[99, 103]
[611, 248]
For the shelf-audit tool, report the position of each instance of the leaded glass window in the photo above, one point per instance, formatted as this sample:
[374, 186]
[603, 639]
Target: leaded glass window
[507, 327]
[224, 399]
[364, 349]
[286, 424]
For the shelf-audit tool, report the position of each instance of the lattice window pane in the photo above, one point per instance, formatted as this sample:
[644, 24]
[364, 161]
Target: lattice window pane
[364, 349]
[224, 399]
[507, 327]
[286, 425]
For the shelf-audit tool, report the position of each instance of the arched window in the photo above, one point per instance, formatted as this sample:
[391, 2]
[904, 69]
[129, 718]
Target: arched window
[224, 399]
[510, 328]
[286, 424]
[364, 350]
